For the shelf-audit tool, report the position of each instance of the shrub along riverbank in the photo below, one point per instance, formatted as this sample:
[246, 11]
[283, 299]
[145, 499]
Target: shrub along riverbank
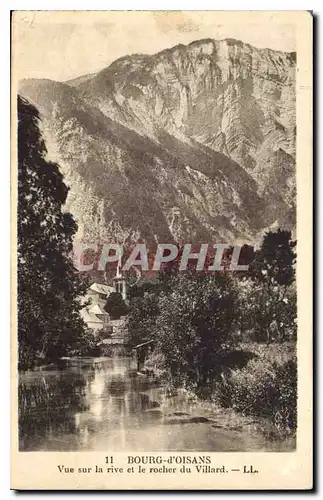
[264, 388]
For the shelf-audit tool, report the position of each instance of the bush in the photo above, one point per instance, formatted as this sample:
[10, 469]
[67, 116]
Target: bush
[264, 390]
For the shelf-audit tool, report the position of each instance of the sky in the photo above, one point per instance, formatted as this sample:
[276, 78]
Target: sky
[64, 45]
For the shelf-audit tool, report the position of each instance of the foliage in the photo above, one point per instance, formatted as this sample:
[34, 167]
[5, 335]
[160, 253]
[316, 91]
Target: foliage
[194, 327]
[190, 317]
[49, 287]
[116, 306]
[263, 389]
[268, 296]
[266, 313]
[141, 321]
[273, 263]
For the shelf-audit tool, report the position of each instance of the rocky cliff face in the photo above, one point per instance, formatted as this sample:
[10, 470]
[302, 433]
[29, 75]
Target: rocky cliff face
[195, 143]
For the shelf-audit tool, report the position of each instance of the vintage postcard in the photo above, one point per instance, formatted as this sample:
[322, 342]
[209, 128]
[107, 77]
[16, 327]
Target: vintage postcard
[161, 250]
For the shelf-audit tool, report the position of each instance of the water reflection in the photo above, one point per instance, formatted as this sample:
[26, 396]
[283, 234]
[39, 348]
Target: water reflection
[47, 404]
[103, 404]
[64, 409]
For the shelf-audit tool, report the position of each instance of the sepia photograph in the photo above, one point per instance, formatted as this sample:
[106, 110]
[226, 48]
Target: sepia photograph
[157, 236]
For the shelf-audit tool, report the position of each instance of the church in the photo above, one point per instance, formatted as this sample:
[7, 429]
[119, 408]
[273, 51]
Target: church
[93, 312]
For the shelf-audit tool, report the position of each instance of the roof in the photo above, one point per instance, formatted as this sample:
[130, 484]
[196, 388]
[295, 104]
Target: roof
[97, 309]
[90, 317]
[101, 288]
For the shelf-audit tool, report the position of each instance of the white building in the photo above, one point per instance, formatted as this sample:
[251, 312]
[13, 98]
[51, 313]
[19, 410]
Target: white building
[93, 313]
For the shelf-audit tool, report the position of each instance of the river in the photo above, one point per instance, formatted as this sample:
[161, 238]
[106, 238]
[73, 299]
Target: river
[102, 404]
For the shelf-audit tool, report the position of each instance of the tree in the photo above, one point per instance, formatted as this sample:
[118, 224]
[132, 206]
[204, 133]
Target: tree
[273, 263]
[141, 321]
[272, 291]
[49, 286]
[115, 305]
[194, 327]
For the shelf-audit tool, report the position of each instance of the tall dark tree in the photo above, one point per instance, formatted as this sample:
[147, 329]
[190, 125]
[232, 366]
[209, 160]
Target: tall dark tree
[116, 306]
[49, 286]
[274, 261]
[273, 272]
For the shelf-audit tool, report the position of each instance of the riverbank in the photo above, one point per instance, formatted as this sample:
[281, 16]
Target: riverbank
[185, 411]
[261, 393]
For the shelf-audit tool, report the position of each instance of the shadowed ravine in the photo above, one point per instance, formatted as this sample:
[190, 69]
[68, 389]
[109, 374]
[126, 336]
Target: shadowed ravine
[103, 404]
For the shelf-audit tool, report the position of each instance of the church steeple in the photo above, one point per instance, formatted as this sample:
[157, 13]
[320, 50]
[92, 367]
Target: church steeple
[119, 282]
[118, 273]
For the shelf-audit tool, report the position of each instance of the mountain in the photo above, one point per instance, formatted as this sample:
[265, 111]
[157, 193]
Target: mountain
[195, 143]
